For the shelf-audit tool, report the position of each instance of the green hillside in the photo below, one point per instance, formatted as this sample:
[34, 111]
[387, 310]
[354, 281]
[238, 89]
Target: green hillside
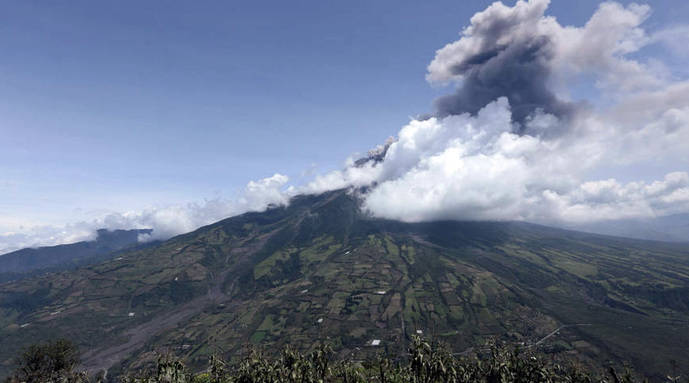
[320, 270]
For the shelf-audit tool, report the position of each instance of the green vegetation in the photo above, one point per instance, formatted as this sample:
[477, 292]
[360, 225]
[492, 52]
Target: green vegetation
[424, 362]
[318, 272]
[53, 361]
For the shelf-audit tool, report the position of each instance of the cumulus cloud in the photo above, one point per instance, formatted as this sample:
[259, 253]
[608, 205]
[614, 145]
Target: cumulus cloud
[26, 235]
[675, 38]
[176, 219]
[509, 145]
[611, 200]
[477, 168]
[165, 221]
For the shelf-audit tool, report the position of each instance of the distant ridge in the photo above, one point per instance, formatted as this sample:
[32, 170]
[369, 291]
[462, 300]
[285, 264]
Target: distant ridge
[672, 228]
[16, 263]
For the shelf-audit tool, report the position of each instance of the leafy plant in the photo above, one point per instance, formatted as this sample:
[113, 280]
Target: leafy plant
[425, 362]
[53, 361]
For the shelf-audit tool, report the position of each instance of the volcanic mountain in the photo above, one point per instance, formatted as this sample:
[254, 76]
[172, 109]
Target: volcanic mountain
[321, 270]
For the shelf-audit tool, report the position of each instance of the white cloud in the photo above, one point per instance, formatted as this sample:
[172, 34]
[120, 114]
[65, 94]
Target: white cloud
[351, 176]
[165, 221]
[464, 167]
[611, 200]
[675, 38]
[27, 235]
[176, 219]
[470, 168]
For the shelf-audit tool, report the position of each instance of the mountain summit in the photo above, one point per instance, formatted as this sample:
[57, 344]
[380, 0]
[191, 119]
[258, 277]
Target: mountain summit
[321, 270]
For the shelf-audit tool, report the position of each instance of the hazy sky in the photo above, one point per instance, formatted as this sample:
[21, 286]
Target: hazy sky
[120, 106]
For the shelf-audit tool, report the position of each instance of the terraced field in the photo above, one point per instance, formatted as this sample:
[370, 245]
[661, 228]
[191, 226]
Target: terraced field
[320, 270]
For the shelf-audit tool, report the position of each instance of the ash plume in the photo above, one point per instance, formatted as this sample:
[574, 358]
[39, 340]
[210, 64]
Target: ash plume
[503, 53]
[519, 71]
[510, 143]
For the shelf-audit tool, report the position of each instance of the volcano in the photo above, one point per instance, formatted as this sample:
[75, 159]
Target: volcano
[322, 270]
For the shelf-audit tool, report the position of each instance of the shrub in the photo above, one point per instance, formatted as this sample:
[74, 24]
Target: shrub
[425, 363]
[52, 361]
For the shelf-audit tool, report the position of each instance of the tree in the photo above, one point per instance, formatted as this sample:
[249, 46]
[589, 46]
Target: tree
[53, 361]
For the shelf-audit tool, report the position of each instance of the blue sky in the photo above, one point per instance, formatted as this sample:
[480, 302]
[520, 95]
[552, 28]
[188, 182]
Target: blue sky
[115, 106]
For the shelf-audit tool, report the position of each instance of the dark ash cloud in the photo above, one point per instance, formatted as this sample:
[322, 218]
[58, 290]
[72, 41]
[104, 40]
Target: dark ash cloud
[505, 52]
[519, 71]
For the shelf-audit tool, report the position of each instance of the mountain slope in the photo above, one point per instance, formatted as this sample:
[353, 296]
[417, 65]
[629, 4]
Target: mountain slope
[17, 264]
[320, 270]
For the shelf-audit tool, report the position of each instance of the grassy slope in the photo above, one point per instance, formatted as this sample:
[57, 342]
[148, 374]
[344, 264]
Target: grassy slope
[316, 271]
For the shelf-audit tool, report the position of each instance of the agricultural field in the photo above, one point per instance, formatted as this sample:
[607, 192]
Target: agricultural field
[320, 271]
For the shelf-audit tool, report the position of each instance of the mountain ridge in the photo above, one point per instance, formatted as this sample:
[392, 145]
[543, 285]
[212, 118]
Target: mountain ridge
[25, 262]
[321, 270]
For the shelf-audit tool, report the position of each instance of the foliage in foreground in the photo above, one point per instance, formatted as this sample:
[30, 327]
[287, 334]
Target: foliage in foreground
[48, 362]
[425, 363]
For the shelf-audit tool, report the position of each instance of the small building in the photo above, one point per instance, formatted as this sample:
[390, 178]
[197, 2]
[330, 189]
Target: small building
[375, 342]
